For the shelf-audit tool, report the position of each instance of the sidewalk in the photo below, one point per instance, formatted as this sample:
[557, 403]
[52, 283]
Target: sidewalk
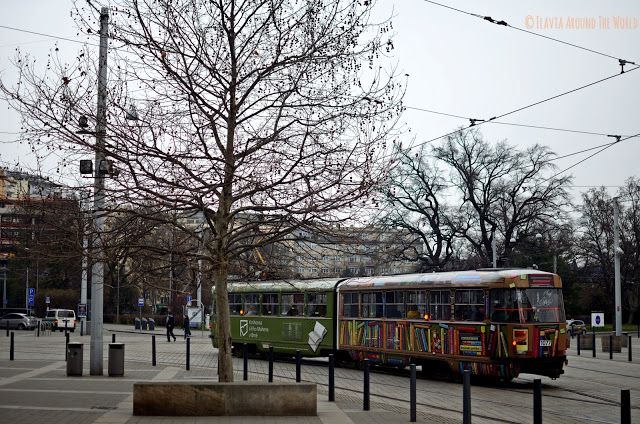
[34, 388]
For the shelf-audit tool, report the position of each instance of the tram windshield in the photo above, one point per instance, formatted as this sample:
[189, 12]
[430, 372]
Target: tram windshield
[527, 305]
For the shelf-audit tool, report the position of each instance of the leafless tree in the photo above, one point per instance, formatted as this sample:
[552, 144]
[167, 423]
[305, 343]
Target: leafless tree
[415, 201]
[264, 115]
[505, 191]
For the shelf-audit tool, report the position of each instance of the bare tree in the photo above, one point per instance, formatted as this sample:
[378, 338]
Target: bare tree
[263, 115]
[414, 200]
[505, 192]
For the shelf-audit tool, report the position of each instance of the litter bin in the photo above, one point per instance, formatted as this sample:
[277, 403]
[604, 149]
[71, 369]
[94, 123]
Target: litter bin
[144, 324]
[152, 324]
[136, 323]
[116, 359]
[74, 359]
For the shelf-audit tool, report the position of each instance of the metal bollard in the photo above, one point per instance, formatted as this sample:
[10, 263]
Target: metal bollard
[113, 338]
[66, 345]
[153, 351]
[245, 361]
[610, 346]
[332, 382]
[629, 344]
[466, 397]
[8, 329]
[593, 342]
[365, 391]
[11, 348]
[81, 328]
[537, 401]
[298, 365]
[412, 394]
[639, 330]
[625, 407]
[188, 353]
[270, 364]
[578, 344]
[38, 328]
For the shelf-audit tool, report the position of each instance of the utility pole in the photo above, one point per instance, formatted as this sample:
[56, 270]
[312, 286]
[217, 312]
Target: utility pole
[83, 284]
[616, 264]
[97, 272]
[493, 249]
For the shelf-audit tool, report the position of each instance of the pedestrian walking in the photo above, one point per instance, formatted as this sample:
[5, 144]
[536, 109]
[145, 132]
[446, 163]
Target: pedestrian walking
[171, 322]
[187, 326]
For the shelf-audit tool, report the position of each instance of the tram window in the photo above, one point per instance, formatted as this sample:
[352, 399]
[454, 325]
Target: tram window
[527, 305]
[440, 304]
[269, 304]
[469, 305]
[394, 304]
[292, 304]
[416, 302]
[316, 305]
[251, 304]
[235, 303]
[350, 305]
[372, 305]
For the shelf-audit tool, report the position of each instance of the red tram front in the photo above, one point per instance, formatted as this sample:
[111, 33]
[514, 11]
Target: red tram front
[497, 323]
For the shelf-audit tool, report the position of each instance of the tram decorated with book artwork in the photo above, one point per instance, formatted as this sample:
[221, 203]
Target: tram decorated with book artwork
[495, 322]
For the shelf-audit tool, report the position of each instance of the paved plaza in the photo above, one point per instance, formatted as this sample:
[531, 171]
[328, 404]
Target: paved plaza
[34, 387]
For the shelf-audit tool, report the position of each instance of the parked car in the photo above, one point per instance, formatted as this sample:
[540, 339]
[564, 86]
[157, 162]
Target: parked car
[18, 321]
[61, 319]
[576, 326]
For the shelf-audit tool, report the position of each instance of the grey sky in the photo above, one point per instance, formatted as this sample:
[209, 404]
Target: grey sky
[460, 65]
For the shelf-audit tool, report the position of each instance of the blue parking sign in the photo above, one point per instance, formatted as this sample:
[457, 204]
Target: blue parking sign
[31, 300]
[140, 301]
[32, 291]
[189, 298]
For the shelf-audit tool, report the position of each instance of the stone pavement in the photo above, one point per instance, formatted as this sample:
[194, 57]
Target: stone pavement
[34, 387]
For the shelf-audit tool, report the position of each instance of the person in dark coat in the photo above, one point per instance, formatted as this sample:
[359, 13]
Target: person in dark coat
[171, 322]
[187, 327]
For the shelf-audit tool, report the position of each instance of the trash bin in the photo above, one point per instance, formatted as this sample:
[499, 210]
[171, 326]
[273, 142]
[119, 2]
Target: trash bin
[152, 324]
[116, 359]
[136, 323]
[144, 324]
[74, 359]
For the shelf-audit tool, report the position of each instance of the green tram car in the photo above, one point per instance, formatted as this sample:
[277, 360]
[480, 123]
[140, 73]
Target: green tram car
[496, 322]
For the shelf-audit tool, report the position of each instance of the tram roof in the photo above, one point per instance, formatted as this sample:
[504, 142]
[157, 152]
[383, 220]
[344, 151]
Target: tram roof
[472, 278]
[319, 284]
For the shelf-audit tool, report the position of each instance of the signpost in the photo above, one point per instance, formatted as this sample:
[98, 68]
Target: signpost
[31, 295]
[189, 298]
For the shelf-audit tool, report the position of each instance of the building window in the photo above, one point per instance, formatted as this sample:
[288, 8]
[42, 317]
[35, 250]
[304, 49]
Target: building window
[353, 258]
[325, 270]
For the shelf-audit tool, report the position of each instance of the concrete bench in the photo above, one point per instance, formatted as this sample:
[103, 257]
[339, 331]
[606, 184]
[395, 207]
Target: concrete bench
[197, 398]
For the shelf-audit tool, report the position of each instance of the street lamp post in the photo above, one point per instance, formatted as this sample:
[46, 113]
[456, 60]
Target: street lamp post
[118, 294]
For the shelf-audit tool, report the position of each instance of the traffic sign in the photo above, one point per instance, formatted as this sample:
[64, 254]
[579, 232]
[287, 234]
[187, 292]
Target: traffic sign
[31, 300]
[32, 291]
[140, 301]
[82, 310]
[189, 298]
[597, 319]
[47, 300]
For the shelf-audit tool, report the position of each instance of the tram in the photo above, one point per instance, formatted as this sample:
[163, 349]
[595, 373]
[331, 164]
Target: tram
[495, 322]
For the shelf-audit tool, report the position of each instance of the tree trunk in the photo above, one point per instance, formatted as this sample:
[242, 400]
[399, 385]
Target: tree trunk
[225, 364]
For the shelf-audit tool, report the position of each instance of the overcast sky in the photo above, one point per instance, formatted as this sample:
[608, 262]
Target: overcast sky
[461, 65]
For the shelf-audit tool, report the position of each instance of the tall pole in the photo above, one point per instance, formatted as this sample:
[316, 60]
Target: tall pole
[83, 284]
[4, 285]
[26, 290]
[118, 297]
[97, 274]
[616, 262]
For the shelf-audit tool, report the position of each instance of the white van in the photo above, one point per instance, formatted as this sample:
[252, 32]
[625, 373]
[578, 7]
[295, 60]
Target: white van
[61, 319]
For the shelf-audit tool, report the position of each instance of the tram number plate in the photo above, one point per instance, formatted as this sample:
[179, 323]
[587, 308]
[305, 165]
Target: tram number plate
[545, 343]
